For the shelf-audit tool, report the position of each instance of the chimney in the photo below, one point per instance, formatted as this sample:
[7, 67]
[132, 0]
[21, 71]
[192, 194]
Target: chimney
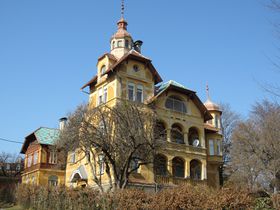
[62, 123]
[137, 45]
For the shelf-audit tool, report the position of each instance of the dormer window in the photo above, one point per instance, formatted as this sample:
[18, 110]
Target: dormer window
[103, 69]
[176, 104]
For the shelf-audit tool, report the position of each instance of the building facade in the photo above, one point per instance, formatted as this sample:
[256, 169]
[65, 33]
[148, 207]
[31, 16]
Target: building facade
[192, 151]
[41, 166]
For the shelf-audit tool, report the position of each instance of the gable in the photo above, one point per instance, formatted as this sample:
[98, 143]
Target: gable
[42, 136]
[131, 55]
[195, 104]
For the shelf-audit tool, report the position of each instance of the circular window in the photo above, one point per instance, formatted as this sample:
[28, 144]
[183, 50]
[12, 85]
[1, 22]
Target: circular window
[136, 68]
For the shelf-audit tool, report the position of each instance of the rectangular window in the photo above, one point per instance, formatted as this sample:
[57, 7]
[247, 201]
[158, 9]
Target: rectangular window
[139, 94]
[72, 157]
[134, 166]
[29, 160]
[35, 158]
[105, 94]
[219, 147]
[101, 164]
[131, 92]
[211, 147]
[119, 43]
[100, 96]
[216, 121]
[53, 157]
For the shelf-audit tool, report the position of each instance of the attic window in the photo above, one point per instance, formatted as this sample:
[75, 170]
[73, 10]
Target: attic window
[136, 68]
[103, 69]
[176, 104]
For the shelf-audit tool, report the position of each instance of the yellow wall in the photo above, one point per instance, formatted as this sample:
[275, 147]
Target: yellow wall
[117, 89]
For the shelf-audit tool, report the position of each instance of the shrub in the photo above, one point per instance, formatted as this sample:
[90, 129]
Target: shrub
[183, 197]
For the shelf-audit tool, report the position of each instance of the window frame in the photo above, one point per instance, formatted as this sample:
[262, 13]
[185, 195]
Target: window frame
[72, 157]
[53, 157]
[101, 164]
[103, 69]
[35, 158]
[130, 84]
[100, 95]
[105, 94]
[211, 147]
[218, 147]
[139, 88]
[29, 161]
[171, 106]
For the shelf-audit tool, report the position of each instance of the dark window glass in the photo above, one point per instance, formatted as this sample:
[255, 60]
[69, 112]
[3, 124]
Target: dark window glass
[175, 104]
[178, 167]
[160, 165]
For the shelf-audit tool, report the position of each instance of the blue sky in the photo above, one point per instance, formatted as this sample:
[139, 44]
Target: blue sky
[49, 49]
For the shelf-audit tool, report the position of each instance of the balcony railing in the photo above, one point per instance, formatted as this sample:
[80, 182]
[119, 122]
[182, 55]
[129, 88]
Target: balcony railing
[42, 166]
[185, 148]
[167, 180]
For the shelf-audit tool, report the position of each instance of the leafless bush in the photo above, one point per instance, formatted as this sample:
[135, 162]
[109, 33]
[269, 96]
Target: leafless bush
[184, 197]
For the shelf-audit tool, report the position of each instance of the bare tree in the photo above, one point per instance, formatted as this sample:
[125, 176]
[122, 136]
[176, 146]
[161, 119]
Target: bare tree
[10, 164]
[256, 146]
[124, 134]
[230, 120]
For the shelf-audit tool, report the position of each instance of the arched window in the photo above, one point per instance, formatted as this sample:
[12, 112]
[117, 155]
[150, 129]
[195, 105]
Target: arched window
[177, 135]
[160, 165]
[195, 169]
[103, 69]
[53, 180]
[178, 167]
[160, 131]
[176, 104]
[193, 135]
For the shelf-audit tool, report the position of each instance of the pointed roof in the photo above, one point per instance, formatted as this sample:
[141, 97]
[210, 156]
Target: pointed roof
[132, 54]
[44, 136]
[122, 29]
[173, 85]
[209, 104]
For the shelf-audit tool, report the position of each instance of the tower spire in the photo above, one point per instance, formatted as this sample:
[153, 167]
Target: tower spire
[122, 9]
[207, 91]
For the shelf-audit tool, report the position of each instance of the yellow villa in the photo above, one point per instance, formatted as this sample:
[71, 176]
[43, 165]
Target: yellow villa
[192, 150]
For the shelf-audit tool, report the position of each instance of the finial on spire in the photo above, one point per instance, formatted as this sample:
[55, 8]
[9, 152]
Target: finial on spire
[122, 9]
[207, 91]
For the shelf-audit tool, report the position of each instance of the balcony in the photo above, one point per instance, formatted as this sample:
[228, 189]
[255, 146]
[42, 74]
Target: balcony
[42, 166]
[169, 180]
[185, 148]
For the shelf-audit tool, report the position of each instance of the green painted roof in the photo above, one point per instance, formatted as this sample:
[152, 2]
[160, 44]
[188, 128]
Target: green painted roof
[47, 136]
[165, 85]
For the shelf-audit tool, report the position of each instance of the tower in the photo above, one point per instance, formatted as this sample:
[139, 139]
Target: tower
[121, 41]
[214, 110]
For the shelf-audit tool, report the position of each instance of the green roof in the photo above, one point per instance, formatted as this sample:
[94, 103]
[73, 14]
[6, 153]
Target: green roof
[166, 85]
[47, 136]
